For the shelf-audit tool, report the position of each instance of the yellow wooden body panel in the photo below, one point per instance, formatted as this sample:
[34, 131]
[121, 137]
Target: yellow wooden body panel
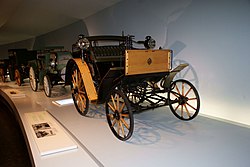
[147, 61]
[87, 79]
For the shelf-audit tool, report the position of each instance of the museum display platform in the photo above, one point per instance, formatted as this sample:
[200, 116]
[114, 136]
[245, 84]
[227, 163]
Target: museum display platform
[159, 138]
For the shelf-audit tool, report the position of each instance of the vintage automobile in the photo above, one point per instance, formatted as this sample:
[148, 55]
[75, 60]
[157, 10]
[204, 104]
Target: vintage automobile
[128, 76]
[49, 69]
[4, 72]
[19, 64]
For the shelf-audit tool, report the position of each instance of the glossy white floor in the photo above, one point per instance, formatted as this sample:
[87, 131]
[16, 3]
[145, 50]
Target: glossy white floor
[159, 138]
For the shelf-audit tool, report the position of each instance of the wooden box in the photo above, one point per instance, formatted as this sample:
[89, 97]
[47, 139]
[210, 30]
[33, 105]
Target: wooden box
[147, 61]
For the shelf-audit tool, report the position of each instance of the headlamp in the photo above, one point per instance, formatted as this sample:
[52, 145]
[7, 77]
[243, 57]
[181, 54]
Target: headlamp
[149, 42]
[83, 43]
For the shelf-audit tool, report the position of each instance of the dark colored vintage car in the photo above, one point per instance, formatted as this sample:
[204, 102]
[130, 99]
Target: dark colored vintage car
[4, 71]
[49, 69]
[19, 64]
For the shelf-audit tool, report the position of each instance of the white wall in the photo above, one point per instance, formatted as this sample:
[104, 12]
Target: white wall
[65, 36]
[212, 36]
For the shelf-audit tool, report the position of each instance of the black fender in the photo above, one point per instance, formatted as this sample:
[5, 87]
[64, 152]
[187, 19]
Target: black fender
[70, 64]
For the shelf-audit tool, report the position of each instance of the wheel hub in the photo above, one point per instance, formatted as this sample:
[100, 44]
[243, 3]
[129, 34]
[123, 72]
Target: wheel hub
[183, 100]
[117, 115]
[75, 90]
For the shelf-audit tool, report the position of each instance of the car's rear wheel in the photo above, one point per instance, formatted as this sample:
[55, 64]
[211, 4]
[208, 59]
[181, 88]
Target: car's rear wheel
[33, 79]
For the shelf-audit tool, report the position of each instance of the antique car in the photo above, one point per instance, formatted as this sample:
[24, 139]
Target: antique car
[128, 76]
[4, 72]
[49, 69]
[19, 64]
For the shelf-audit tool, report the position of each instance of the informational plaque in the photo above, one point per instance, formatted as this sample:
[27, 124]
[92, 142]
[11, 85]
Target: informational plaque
[49, 136]
[63, 102]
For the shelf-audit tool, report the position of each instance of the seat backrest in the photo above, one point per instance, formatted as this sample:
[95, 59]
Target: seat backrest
[108, 53]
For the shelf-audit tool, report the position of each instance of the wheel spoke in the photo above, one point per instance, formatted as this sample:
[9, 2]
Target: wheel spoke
[112, 108]
[177, 89]
[122, 128]
[177, 107]
[125, 115]
[181, 110]
[182, 88]
[174, 93]
[79, 104]
[118, 127]
[81, 92]
[122, 107]
[113, 100]
[194, 98]
[125, 123]
[82, 100]
[187, 110]
[81, 85]
[82, 105]
[188, 92]
[114, 122]
[77, 98]
[118, 102]
[74, 79]
[191, 106]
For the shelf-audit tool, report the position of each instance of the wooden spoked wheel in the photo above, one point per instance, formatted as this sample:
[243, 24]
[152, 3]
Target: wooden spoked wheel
[119, 115]
[2, 75]
[18, 77]
[79, 94]
[184, 100]
[47, 85]
[33, 80]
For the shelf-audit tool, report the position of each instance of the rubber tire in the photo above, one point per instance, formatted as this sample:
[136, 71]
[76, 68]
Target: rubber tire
[33, 79]
[47, 86]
